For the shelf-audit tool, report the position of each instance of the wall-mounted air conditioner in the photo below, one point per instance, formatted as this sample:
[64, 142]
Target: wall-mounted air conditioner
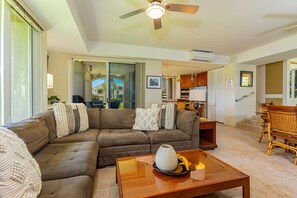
[205, 56]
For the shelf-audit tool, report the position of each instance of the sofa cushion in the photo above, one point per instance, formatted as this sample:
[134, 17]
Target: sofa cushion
[120, 137]
[19, 173]
[50, 122]
[164, 135]
[117, 118]
[185, 120]
[33, 131]
[94, 118]
[90, 135]
[73, 187]
[58, 161]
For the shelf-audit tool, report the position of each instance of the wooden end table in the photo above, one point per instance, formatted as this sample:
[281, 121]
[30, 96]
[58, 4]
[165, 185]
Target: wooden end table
[207, 134]
[136, 177]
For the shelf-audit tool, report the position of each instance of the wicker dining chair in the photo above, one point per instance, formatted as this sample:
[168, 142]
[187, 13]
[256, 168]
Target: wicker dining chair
[181, 104]
[262, 108]
[282, 125]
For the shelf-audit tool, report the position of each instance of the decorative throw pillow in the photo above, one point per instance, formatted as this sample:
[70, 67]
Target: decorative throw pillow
[160, 113]
[147, 119]
[20, 173]
[64, 117]
[169, 116]
[80, 116]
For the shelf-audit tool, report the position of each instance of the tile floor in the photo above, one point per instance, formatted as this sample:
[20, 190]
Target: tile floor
[270, 176]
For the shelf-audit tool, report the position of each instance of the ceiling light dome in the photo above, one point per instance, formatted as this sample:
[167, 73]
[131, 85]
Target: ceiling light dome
[155, 10]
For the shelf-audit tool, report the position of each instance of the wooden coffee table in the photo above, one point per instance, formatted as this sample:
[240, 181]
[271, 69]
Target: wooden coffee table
[136, 177]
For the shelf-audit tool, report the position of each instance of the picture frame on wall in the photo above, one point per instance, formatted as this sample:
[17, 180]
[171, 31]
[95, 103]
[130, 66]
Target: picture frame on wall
[229, 83]
[153, 82]
[246, 78]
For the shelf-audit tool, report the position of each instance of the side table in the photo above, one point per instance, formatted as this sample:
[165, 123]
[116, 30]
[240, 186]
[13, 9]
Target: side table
[207, 134]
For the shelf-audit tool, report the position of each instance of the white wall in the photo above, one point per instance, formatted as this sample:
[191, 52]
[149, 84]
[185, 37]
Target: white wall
[88, 87]
[235, 112]
[139, 84]
[79, 79]
[260, 81]
[152, 95]
[247, 106]
[229, 93]
[177, 88]
[58, 66]
[272, 52]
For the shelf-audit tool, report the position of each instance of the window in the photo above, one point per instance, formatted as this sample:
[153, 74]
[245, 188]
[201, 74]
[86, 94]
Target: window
[23, 64]
[99, 89]
[293, 83]
[21, 67]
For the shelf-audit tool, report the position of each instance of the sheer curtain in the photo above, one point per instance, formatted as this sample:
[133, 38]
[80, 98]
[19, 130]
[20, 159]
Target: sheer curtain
[21, 67]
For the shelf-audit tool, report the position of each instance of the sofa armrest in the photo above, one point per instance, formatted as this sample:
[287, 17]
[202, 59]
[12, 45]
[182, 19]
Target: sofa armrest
[195, 133]
[188, 122]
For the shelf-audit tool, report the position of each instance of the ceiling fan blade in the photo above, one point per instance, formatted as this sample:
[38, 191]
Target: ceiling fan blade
[280, 16]
[157, 24]
[190, 9]
[291, 27]
[132, 13]
[280, 28]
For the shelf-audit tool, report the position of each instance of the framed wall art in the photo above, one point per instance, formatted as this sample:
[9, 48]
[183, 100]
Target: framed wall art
[229, 83]
[246, 78]
[153, 82]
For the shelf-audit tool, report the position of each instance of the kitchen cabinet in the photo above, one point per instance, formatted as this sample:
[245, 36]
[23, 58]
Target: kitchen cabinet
[187, 81]
[201, 79]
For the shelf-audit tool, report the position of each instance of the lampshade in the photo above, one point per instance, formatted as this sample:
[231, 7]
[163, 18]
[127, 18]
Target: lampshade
[50, 81]
[155, 11]
[197, 95]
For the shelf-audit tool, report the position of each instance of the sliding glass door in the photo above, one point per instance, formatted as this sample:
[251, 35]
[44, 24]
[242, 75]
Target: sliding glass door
[104, 84]
[21, 67]
[121, 86]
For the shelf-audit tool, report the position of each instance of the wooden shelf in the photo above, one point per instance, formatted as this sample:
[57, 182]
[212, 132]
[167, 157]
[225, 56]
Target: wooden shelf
[206, 145]
[207, 134]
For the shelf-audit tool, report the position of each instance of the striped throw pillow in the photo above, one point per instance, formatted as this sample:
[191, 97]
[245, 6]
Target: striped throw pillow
[81, 117]
[64, 117]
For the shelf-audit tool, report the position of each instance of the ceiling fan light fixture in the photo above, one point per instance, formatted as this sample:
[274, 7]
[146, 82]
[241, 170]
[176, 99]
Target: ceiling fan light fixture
[155, 10]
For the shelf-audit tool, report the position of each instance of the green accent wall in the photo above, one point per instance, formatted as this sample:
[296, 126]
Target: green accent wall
[274, 78]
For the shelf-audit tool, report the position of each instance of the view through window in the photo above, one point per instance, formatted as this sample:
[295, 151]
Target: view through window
[21, 67]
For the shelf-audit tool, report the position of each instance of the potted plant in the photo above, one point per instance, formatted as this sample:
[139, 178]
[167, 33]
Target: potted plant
[53, 99]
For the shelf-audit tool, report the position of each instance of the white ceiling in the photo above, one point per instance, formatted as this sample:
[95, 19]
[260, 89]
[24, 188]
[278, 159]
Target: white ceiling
[225, 27]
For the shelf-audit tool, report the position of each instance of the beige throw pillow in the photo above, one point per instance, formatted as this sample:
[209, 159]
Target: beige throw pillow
[147, 119]
[64, 117]
[19, 172]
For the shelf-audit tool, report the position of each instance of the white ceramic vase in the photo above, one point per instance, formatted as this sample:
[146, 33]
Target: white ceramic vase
[166, 159]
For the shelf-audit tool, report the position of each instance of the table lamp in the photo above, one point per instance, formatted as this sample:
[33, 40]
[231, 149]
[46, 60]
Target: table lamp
[197, 95]
[50, 81]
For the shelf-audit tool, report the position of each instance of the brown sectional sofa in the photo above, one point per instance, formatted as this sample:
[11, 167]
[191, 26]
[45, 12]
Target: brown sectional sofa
[68, 164]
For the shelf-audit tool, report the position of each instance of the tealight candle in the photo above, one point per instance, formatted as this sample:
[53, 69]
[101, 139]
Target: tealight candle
[199, 173]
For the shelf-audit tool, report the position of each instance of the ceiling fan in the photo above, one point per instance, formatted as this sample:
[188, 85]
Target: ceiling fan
[157, 8]
[285, 27]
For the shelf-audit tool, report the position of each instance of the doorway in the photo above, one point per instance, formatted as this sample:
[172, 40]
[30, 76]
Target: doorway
[121, 86]
[104, 84]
